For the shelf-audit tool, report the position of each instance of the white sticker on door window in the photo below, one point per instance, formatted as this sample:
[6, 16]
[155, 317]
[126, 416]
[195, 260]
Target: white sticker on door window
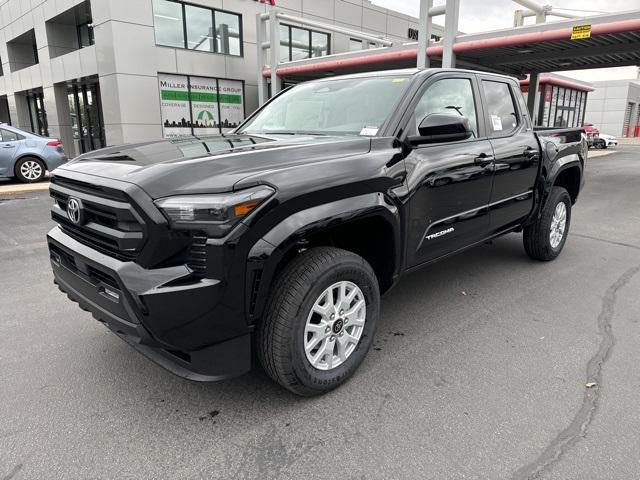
[496, 123]
[369, 131]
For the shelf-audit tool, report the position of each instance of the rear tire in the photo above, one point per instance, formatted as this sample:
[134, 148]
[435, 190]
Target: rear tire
[324, 306]
[545, 239]
[30, 170]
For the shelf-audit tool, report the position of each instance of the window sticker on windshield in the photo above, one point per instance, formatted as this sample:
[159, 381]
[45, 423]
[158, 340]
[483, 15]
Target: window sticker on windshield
[369, 131]
[398, 80]
[496, 123]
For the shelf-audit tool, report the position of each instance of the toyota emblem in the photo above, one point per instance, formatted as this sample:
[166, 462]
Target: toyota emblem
[74, 211]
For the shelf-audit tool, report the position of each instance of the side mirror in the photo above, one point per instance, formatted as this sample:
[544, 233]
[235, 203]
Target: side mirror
[442, 127]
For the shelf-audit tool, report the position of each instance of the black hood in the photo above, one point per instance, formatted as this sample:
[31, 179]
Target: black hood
[211, 164]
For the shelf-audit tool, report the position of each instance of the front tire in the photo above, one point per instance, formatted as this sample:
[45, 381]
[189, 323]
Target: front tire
[30, 170]
[545, 239]
[320, 320]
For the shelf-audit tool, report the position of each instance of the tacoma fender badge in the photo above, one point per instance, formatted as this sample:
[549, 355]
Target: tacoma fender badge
[440, 233]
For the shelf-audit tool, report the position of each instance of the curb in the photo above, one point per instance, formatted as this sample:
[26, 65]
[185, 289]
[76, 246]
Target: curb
[25, 188]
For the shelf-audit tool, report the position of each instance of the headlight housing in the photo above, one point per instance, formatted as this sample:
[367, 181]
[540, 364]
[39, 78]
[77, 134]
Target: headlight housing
[216, 214]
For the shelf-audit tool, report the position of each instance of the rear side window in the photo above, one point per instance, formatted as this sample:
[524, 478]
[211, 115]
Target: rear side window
[8, 136]
[501, 108]
[449, 95]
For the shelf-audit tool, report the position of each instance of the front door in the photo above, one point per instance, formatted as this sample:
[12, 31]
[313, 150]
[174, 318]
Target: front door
[449, 183]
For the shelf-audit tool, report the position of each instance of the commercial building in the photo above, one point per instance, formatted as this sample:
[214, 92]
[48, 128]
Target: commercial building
[101, 72]
[614, 107]
[560, 101]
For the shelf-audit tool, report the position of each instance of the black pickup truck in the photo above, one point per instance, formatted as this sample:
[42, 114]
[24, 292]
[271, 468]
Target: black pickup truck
[278, 239]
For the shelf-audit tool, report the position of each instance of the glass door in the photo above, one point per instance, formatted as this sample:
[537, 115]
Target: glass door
[86, 116]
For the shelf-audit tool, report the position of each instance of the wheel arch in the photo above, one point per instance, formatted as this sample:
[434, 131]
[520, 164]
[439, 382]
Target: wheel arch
[368, 225]
[569, 176]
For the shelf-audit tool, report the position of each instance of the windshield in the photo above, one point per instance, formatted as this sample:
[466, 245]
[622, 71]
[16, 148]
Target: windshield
[355, 106]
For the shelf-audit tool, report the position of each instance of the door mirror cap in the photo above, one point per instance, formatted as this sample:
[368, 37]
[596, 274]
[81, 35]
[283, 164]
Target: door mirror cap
[442, 127]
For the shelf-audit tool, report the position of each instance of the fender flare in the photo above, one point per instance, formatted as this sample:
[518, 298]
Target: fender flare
[547, 177]
[267, 253]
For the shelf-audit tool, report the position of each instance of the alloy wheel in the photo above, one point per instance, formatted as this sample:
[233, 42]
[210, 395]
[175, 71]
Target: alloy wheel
[558, 225]
[334, 325]
[31, 170]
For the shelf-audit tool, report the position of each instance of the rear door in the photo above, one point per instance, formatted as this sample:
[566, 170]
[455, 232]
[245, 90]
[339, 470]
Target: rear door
[449, 183]
[516, 152]
[9, 143]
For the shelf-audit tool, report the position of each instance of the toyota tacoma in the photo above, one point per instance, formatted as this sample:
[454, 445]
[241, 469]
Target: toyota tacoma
[277, 240]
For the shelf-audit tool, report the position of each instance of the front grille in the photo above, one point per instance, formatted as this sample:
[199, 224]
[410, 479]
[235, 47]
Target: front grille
[197, 258]
[110, 225]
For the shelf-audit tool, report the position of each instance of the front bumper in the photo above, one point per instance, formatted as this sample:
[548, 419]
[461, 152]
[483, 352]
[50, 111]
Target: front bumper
[160, 312]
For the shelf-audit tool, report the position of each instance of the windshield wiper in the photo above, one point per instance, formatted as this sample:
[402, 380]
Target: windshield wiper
[290, 132]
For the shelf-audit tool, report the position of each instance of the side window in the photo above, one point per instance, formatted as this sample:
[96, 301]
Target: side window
[449, 95]
[8, 136]
[501, 109]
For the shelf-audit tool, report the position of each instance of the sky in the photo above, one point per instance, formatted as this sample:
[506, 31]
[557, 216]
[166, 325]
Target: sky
[484, 15]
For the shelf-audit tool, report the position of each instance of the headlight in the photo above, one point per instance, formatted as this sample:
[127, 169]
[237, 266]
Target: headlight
[215, 213]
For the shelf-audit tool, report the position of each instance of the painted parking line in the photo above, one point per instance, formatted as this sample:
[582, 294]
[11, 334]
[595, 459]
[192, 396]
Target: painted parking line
[600, 153]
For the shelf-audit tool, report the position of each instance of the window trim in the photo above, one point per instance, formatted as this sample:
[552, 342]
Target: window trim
[426, 84]
[485, 103]
[213, 11]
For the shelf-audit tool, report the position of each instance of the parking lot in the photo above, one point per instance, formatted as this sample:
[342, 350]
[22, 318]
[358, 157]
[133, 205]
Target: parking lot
[479, 370]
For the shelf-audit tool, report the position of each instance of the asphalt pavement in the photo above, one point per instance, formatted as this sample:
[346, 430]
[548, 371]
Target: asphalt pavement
[479, 371]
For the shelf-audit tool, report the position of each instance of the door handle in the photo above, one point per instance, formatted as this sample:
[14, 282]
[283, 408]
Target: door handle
[483, 159]
[8, 146]
[530, 153]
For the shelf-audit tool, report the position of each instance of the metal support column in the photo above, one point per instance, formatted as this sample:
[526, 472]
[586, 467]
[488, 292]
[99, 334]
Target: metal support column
[424, 33]
[274, 42]
[451, 14]
[531, 96]
[261, 33]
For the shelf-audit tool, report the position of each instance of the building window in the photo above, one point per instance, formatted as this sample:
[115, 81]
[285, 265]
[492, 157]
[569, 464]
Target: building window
[85, 35]
[199, 105]
[355, 44]
[22, 51]
[182, 25]
[299, 43]
[169, 24]
[199, 23]
[71, 30]
[319, 44]
[228, 33]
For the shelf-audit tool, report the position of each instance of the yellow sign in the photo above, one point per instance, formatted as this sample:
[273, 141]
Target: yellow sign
[581, 31]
